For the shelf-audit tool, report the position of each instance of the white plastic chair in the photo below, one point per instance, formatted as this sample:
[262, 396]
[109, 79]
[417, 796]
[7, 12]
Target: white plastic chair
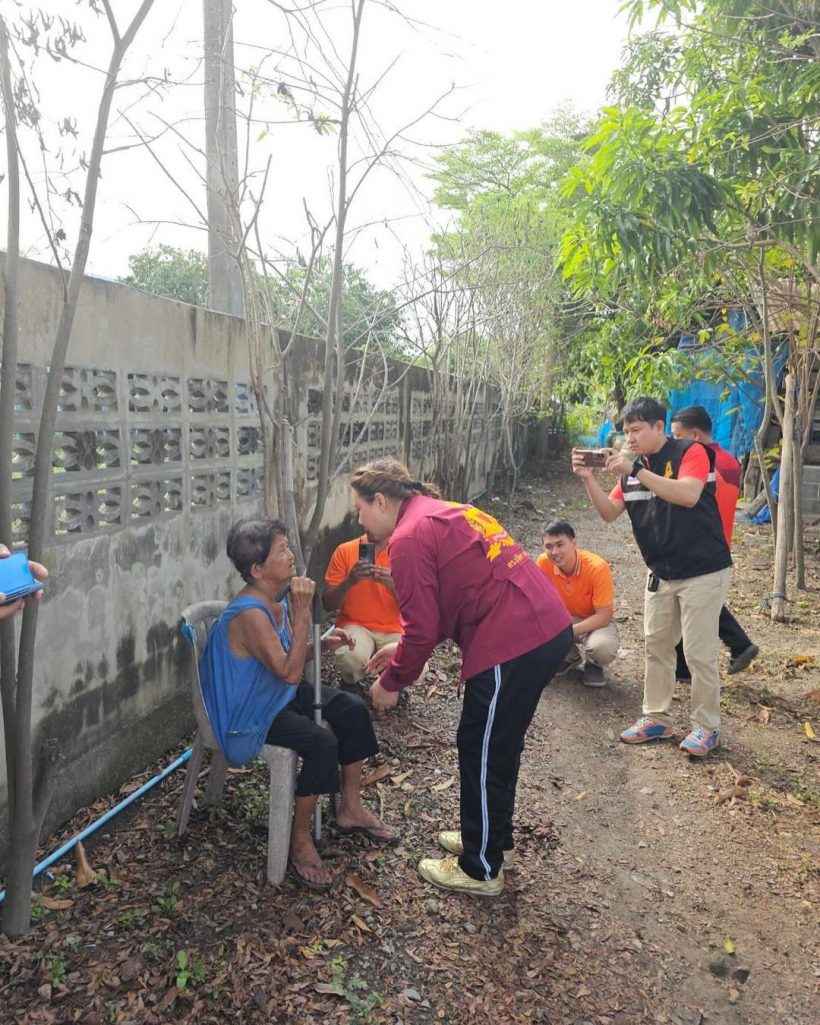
[194, 625]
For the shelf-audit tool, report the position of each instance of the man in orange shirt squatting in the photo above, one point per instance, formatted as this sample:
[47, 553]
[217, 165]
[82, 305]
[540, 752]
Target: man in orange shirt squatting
[364, 594]
[584, 581]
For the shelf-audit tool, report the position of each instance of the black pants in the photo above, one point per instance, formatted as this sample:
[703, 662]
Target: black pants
[498, 708]
[350, 737]
[730, 632]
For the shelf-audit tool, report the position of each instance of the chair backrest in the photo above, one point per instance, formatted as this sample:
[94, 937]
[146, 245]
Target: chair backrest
[194, 624]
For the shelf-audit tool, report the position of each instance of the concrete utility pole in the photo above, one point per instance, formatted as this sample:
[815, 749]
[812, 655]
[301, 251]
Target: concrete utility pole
[224, 281]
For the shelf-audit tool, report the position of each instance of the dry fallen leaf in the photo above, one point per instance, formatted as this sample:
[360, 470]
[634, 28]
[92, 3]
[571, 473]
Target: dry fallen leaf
[364, 890]
[54, 903]
[397, 780]
[809, 731]
[729, 945]
[376, 775]
[328, 987]
[84, 873]
[446, 784]
[360, 923]
[582, 796]
[765, 715]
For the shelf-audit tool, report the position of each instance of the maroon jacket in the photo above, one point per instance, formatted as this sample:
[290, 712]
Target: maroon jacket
[459, 574]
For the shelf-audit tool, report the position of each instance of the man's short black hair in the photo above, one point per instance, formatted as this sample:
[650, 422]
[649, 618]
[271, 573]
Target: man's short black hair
[644, 408]
[250, 542]
[694, 417]
[558, 528]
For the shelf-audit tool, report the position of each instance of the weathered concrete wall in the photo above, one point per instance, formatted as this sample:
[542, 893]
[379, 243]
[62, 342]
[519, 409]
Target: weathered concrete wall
[157, 452]
[811, 490]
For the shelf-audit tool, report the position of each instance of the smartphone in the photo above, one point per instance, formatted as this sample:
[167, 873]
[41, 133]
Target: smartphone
[16, 579]
[367, 552]
[593, 456]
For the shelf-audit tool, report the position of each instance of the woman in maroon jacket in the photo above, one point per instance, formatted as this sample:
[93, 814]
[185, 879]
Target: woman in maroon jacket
[459, 574]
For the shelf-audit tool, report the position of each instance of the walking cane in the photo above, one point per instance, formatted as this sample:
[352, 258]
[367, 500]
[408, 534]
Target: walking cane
[318, 637]
[317, 694]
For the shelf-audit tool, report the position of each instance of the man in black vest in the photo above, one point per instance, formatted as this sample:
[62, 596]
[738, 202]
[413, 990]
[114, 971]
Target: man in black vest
[668, 492]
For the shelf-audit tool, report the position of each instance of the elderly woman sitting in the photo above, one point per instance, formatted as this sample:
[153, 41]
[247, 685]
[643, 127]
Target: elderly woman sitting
[251, 671]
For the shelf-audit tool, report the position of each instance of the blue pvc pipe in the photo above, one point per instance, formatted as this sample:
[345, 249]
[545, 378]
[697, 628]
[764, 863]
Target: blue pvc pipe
[107, 816]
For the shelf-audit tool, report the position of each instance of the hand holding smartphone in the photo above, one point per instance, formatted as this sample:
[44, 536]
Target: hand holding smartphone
[592, 456]
[367, 552]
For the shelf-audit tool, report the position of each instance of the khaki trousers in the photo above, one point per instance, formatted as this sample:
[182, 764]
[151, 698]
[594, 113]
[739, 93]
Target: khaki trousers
[350, 662]
[690, 609]
[600, 646]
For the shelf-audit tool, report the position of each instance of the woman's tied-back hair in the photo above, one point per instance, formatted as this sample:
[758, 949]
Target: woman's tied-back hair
[391, 478]
[250, 542]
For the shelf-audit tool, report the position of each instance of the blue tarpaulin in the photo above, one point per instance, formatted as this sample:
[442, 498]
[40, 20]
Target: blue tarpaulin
[736, 409]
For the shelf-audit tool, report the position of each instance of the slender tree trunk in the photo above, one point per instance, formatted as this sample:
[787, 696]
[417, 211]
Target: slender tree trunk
[334, 357]
[28, 815]
[8, 381]
[781, 553]
[799, 555]
[286, 433]
[224, 279]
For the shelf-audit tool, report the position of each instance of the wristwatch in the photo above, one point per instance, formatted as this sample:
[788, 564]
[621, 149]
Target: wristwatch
[637, 466]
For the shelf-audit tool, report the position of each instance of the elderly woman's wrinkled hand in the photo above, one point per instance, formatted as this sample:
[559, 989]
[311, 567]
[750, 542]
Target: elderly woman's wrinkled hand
[302, 590]
[338, 639]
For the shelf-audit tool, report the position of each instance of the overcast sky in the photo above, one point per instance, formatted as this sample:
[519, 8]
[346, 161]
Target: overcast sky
[512, 62]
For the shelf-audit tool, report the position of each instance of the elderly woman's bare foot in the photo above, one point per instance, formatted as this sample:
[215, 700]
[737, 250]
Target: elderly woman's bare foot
[307, 868]
[365, 823]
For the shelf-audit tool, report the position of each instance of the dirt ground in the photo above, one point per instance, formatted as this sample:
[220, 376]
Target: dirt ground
[650, 888]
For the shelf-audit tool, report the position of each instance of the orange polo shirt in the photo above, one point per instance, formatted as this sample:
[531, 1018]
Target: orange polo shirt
[367, 603]
[587, 589]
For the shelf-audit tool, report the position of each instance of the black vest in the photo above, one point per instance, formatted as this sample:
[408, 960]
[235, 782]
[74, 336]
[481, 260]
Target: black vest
[676, 542]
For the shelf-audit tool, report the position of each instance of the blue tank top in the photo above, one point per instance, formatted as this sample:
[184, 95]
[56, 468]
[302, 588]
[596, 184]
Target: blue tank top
[242, 696]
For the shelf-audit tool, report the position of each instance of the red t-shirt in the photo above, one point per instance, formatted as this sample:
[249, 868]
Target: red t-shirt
[367, 603]
[727, 487]
[459, 574]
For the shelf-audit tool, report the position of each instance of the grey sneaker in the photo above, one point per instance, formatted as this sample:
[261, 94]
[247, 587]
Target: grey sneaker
[572, 661]
[739, 663]
[594, 675]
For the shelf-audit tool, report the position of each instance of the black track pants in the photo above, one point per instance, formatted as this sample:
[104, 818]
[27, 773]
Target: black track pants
[350, 737]
[731, 634]
[498, 708]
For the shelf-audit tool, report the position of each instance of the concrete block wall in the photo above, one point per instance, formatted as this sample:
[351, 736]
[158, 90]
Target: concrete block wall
[811, 490]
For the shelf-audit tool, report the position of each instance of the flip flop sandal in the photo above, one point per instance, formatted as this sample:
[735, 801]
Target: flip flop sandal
[371, 833]
[294, 873]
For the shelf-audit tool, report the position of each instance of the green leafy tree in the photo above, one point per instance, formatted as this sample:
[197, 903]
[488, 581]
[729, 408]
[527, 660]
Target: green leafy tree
[502, 249]
[368, 313]
[170, 272]
[699, 190]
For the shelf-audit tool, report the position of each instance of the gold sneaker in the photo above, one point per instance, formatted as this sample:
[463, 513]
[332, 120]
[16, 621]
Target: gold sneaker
[448, 874]
[450, 840]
